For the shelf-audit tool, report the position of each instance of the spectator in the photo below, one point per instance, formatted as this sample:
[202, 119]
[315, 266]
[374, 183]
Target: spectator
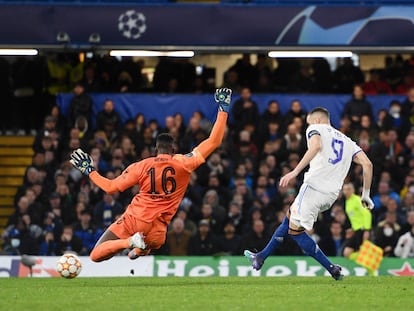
[292, 142]
[323, 76]
[384, 193]
[263, 74]
[405, 245]
[91, 80]
[189, 225]
[49, 125]
[392, 206]
[80, 104]
[86, 232]
[256, 237]
[235, 216]
[406, 227]
[394, 118]
[376, 84]
[333, 243]
[68, 242]
[203, 242]
[386, 234]
[271, 113]
[213, 166]
[347, 75]
[26, 234]
[106, 211]
[356, 107]
[194, 135]
[48, 245]
[407, 111]
[386, 153]
[244, 110]
[221, 188]
[179, 123]
[405, 84]
[11, 238]
[218, 212]
[245, 71]
[295, 110]
[229, 241]
[178, 238]
[108, 115]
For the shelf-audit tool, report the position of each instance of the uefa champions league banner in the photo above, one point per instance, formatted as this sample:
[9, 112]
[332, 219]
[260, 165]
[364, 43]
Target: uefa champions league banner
[209, 25]
[163, 266]
[158, 106]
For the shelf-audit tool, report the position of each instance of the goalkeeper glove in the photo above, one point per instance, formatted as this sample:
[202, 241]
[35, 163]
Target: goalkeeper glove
[223, 98]
[366, 200]
[82, 161]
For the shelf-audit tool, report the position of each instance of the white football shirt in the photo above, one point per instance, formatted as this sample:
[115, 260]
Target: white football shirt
[329, 167]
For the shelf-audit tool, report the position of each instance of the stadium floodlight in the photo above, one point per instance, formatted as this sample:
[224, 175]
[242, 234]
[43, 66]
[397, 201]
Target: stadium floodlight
[18, 52]
[95, 38]
[147, 53]
[62, 37]
[309, 54]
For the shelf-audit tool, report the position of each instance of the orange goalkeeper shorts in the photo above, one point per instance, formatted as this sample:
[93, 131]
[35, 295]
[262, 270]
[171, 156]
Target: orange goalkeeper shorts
[154, 232]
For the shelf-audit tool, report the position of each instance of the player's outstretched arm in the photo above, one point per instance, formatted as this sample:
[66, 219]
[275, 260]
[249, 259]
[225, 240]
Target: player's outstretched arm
[362, 159]
[84, 163]
[223, 98]
[314, 148]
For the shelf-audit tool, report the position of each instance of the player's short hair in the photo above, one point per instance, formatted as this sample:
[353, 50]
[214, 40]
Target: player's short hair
[321, 110]
[164, 141]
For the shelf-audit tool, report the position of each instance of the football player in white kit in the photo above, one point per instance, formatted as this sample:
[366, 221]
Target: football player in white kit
[329, 156]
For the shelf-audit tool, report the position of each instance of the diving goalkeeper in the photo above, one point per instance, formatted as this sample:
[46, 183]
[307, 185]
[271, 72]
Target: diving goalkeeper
[163, 180]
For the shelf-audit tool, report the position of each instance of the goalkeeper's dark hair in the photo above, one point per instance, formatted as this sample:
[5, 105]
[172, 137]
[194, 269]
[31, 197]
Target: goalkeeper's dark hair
[164, 143]
[321, 110]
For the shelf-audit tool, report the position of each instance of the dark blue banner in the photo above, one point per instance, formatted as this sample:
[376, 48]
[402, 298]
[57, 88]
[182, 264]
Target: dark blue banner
[209, 25]
[159, 106]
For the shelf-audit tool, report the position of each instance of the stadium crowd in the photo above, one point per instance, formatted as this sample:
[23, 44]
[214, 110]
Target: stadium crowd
[233, 201]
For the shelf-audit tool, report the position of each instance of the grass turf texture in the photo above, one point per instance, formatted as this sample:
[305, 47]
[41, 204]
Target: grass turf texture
[212, 293]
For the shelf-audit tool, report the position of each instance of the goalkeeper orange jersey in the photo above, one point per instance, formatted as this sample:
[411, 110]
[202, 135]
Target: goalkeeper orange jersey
[163, 179]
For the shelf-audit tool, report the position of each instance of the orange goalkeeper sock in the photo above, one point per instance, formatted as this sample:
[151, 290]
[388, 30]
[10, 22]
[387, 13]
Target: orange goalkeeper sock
[108, 249]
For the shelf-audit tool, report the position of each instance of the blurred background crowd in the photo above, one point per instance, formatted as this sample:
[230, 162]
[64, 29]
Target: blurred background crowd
[233, 201]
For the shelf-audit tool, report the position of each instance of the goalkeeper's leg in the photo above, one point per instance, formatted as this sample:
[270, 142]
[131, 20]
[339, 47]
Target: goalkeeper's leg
[124, 233]
[154, 239]
[107, 246]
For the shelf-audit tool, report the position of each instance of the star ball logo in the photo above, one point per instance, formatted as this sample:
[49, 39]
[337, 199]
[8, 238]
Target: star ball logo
[132, 24]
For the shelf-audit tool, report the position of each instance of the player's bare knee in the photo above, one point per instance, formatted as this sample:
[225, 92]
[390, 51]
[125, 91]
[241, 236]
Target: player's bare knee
[294, 229]
[94, 256]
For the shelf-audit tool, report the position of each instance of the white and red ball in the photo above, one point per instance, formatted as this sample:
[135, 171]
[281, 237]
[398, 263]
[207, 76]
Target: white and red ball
[69, 266]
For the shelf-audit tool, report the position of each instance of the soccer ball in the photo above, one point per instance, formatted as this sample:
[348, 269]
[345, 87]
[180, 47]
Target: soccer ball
[132, 24]
[69, 266]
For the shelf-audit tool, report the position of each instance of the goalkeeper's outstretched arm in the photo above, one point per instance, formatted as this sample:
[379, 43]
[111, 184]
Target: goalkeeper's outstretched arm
[223, 99]
[84, 163]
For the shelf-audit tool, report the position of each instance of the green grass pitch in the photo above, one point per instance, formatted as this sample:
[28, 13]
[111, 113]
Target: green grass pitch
[211, 293]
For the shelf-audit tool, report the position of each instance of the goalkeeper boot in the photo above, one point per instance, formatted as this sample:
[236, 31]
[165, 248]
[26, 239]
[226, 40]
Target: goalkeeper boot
[133, 254]
[256, 261]
[335, 271]
[137, 241]
[138, 252]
